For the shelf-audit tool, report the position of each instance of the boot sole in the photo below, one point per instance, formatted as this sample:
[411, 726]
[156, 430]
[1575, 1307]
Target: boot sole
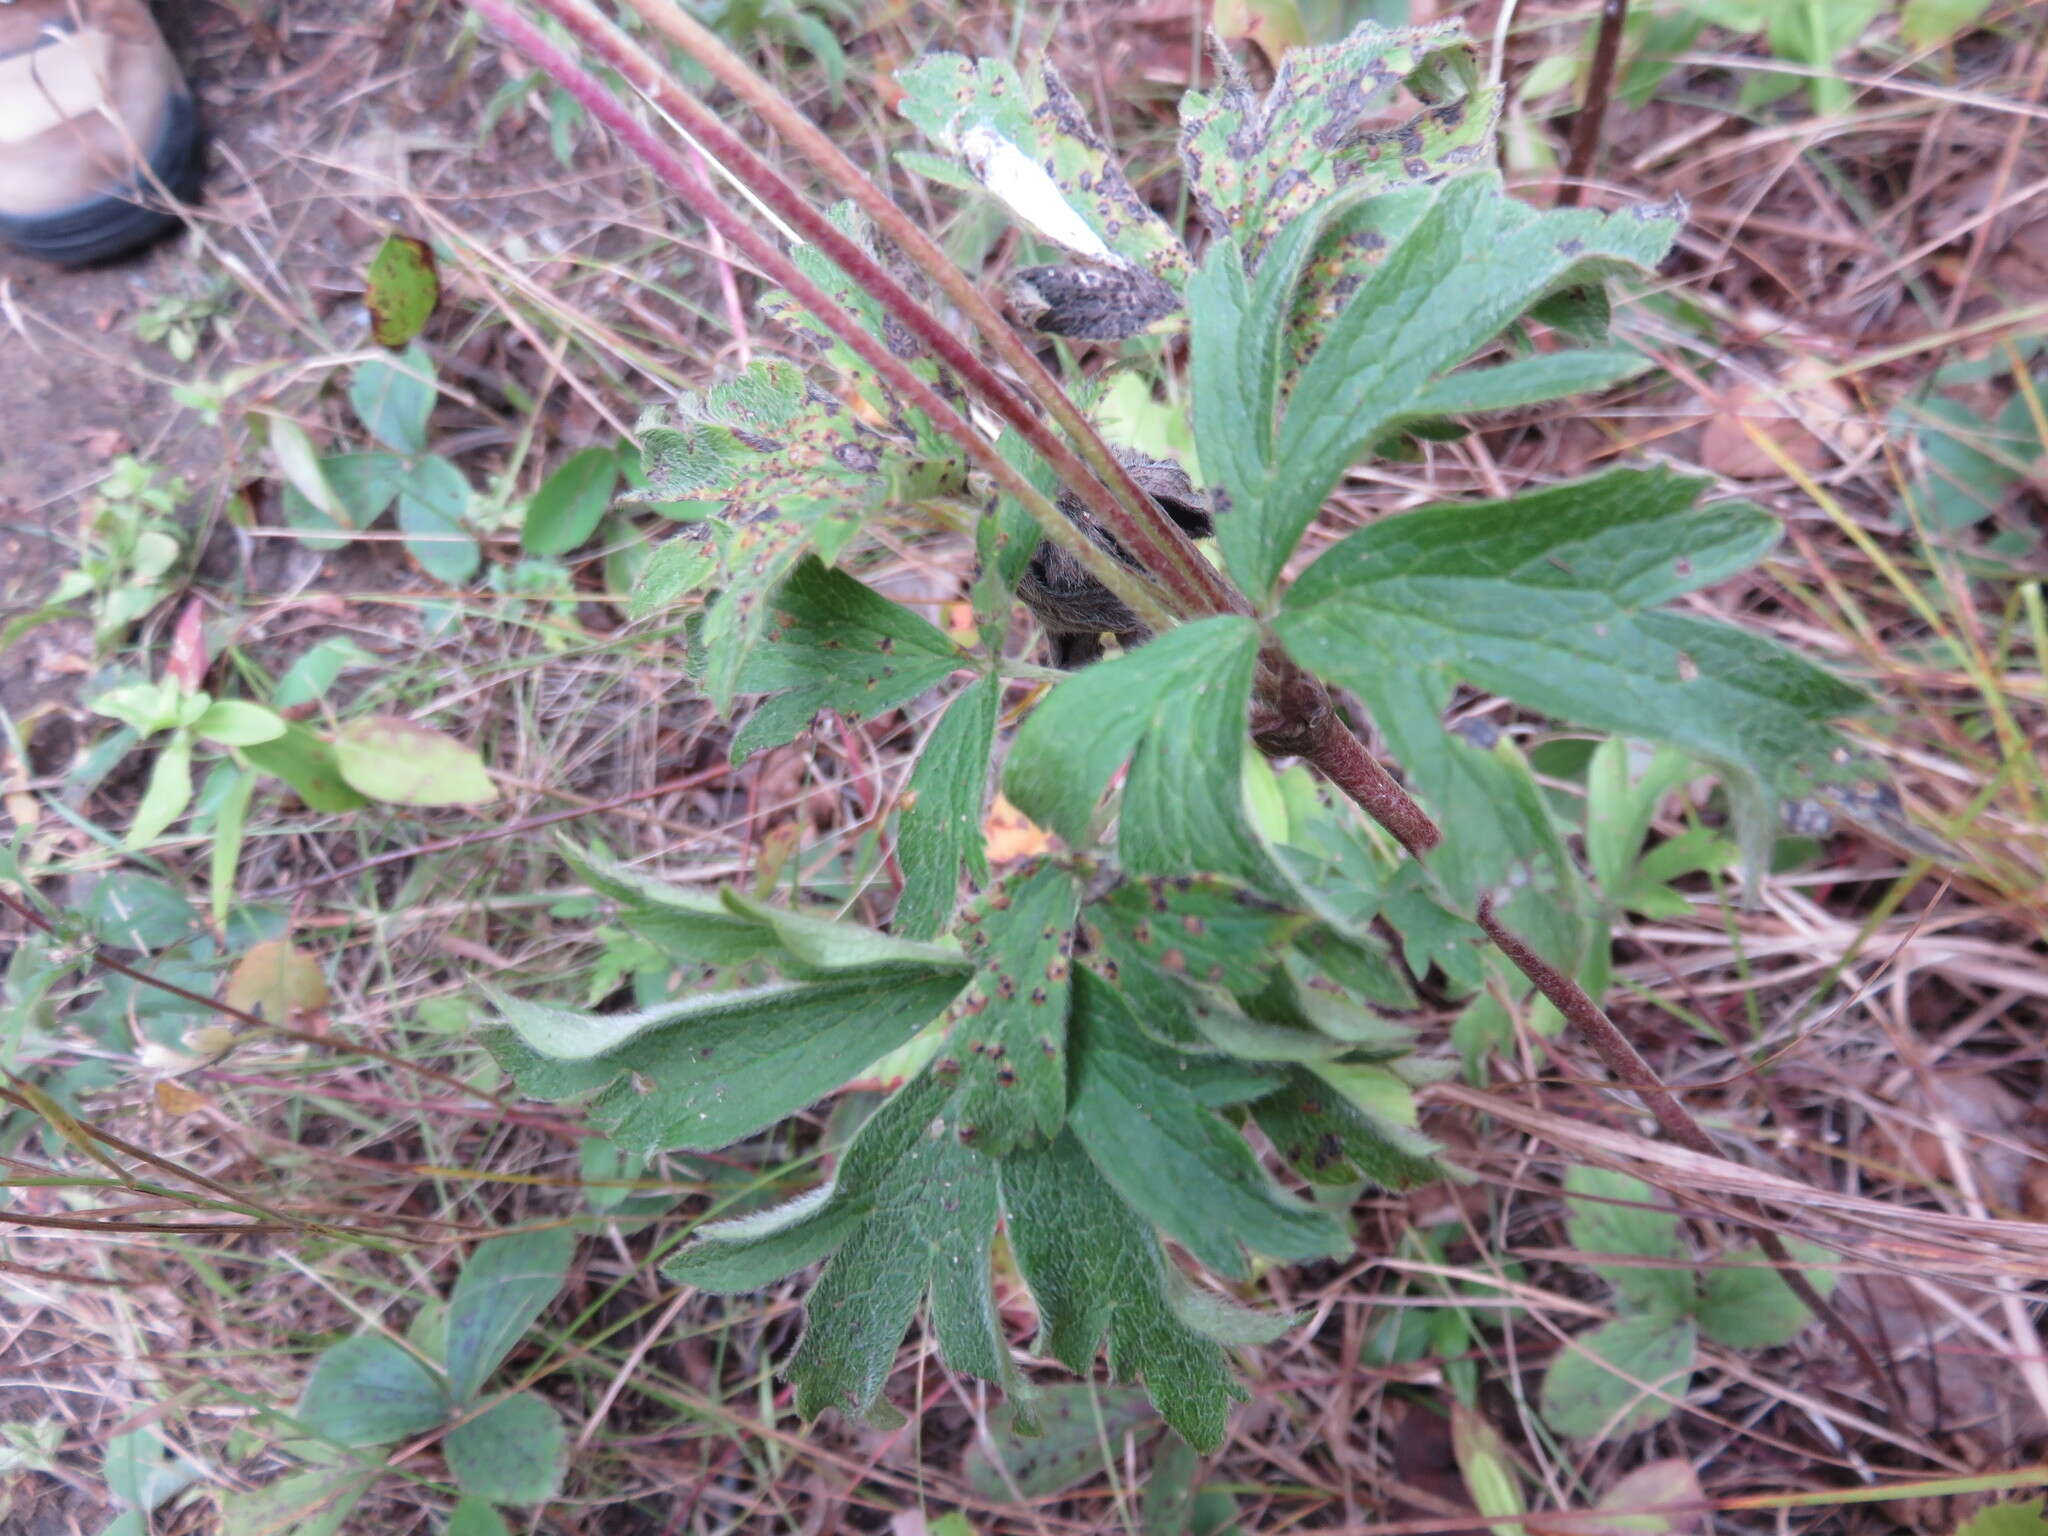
[118, 221]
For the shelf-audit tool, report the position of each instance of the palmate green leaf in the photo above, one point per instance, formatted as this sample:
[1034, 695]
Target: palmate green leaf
[912, 1213]
[1550, 599]
[837, 644]
[1168, 1156]
[1007, 1047]
[939, 830]
[1032, 147]
[1100, 1279]
[507, 1283]
[1175, 708]
[704, 1071]
[1471, 261]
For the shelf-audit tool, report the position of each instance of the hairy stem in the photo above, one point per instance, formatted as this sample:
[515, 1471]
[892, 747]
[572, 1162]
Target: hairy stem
[1599, 89]
[1109, 491]
[1140, 594]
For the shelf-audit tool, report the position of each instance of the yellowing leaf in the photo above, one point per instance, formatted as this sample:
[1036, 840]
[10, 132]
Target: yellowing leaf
[1008, 834]
[175, 1099]
[275, 981]
[402, 763]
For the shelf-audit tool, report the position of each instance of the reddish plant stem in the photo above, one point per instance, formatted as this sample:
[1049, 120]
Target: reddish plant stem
[1142, 595]
[1105, 485]
[1626, 1062]
[1599, 88]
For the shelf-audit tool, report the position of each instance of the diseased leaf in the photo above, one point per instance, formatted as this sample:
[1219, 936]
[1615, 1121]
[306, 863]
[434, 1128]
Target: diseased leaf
[403, 289]
[939, 827]
[514, 1452]
[371, 1391]
[911, 1213]
[506, 1284]
[1255, 165]
[570, 503]
[1330, 1139]
[1200, 927]
[840, 645]
[1176, 708]
[1590, 1388]
[1550, 600]
[276, 980]
[1168, 1156]
[703, 1071]
[676, 568]
[400, 762]
[921, 459]
[1101, 1280]
[1007, 1046]
[1032, 147]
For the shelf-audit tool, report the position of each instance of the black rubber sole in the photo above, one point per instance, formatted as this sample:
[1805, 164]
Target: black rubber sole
[118, 221]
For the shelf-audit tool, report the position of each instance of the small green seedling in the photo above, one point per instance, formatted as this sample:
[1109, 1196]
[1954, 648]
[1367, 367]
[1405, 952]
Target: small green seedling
[502, 1447]
[1631, 1373]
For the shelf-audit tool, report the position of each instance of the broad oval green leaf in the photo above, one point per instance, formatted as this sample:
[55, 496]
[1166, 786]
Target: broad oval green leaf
[515, 1452]
[433, 505]
[507, 1283]
[238, 723]
[570, 503]
[393, 397]
[400, 762]
[369, 1390]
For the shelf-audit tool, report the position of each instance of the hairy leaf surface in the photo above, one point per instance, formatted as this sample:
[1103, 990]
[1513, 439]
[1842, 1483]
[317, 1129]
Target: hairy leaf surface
[939, 830]
[1550, 600]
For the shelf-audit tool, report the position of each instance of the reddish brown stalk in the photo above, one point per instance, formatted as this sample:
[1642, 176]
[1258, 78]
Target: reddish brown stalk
[1599, 88]
[1122, 508]
[1677, 1123]
[1141, 595]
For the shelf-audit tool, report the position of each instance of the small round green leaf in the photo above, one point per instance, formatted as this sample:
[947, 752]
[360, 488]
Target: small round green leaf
[433, 501]
[394, 760]
[1591, 1387]
[514, 1452]
[569, 505]
[370, 1391]
[238, 723]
